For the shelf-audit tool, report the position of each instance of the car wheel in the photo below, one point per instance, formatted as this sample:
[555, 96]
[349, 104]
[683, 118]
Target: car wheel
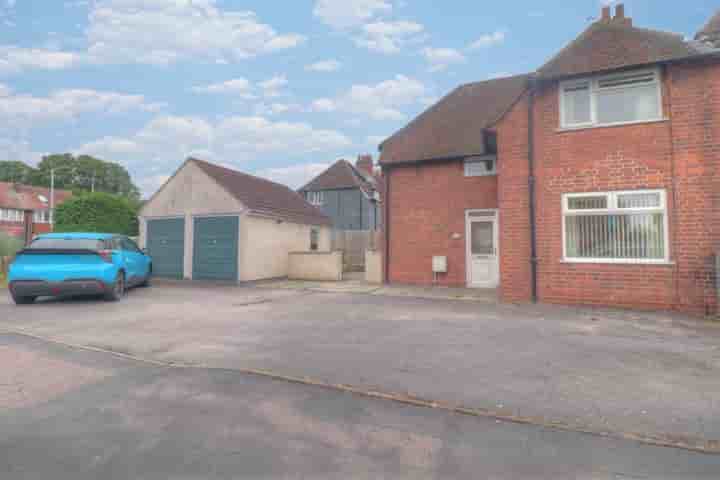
[147, 282]
[23, 300]
[118, 289]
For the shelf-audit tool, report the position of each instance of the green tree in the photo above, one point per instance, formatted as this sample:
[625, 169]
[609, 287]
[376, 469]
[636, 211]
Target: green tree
[16, 172]
[97, 212]
[85, 173]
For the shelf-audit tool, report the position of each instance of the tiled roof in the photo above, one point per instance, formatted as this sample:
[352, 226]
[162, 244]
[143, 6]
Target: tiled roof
[341, 174]
[611, 44]
[26, 197]
[264, 197]
[453, 126]
[711, 31]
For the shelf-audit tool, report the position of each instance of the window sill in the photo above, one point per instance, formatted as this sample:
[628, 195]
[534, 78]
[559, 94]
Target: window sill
[644, 263]
[609, 125]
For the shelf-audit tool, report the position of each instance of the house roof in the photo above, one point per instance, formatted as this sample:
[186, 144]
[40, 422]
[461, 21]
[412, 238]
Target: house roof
[26, 197]
[263, 197]
[452, 127]
[342, 174]
[610, 44]
[711, 31]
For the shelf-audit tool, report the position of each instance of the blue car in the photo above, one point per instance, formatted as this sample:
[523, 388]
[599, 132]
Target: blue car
[74, 264]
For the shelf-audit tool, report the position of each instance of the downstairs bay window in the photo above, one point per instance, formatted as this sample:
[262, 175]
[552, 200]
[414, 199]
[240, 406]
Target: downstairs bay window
[616, 227]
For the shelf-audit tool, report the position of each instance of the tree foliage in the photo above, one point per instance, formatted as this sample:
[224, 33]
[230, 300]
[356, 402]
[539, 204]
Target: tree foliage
[79, 174]
[16, 172]
[98, 212]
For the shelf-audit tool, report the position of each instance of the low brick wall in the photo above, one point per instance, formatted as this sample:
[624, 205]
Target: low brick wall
[319, 266]
[373, 266]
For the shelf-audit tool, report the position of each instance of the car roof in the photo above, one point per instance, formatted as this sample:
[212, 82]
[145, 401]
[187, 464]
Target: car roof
[78, 235]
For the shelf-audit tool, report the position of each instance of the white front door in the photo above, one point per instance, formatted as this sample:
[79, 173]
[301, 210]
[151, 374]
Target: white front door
[482, 252]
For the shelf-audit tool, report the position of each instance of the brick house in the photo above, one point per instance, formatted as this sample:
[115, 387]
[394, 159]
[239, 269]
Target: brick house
[594, 180]
[347, 193]
[24, 205]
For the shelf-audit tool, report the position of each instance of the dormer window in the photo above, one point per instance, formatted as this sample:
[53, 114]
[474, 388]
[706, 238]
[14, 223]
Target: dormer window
[630, 97]
[316, 198]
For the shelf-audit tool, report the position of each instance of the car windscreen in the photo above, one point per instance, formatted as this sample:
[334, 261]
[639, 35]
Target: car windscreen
[66, 244]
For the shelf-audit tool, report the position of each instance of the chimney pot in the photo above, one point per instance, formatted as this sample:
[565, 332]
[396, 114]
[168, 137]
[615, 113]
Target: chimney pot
[365, 164]
[620, 11]
[606, 13]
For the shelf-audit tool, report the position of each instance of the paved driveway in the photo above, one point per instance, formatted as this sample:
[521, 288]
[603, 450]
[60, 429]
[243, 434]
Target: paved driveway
[655, 375]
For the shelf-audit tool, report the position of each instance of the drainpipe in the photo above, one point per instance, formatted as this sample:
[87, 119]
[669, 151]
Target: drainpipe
[386, 225]
[531, 188]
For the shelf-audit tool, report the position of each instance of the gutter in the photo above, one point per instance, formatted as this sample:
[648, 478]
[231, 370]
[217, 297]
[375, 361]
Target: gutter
[532, 85]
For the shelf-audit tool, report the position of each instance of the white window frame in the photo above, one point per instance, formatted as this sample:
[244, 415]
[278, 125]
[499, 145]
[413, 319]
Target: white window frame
[11, 215]
[612, 202]
[469, 161]
[594, 83]
[44, 214]
[316, 198]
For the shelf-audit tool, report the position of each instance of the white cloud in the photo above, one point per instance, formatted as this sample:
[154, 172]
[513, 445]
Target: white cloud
[294, 176]
[15, 149]
[16, 59]
[167, 140]
[349, 13]
[488, 40]
[440, 58]
[67, 104]
[10, 3]
[276, 108]
[271, 87]
[375, 139]
[380, 102]
[324, 66]
[389, 37]
[4, 90]
[238, 86]
[166, 31]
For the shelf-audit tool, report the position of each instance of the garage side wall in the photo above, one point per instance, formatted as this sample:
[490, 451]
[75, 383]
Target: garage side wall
[189, 193]
[265, 245]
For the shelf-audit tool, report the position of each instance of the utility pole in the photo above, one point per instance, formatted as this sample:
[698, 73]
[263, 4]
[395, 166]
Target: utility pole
[52, 198]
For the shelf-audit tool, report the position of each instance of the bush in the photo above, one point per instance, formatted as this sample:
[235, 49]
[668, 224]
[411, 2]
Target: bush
[97, 212]
[9, 245]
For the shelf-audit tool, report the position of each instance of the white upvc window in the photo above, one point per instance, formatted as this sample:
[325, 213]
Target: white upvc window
[41, 216]
[616, 227]
[316, 198]
[11, 215]
[480, 166]
[630, 97]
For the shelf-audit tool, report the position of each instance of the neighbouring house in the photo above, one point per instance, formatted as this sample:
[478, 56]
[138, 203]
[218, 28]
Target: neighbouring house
[594, 180]
[208, 222]
[349, 194]
[25, 210]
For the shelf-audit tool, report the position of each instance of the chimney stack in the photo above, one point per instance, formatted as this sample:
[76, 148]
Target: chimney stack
[365, 164]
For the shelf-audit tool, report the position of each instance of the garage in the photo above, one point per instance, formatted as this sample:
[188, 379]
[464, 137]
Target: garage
[166, 246]
[215, 248]
[209, 222]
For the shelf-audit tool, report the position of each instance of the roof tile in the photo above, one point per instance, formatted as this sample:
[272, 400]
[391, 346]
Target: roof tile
[26, 197]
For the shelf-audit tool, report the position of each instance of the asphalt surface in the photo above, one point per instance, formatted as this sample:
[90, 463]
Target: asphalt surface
[607, 371]
[70, 414]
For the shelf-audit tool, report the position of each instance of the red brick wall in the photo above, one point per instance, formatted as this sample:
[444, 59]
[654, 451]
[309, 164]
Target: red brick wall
[513, 198]
[618, 158]
[427, 206]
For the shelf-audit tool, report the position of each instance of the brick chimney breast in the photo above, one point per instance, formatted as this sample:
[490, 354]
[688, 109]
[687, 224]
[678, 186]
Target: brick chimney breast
[620, 17]
[605, 17]
[365, 164]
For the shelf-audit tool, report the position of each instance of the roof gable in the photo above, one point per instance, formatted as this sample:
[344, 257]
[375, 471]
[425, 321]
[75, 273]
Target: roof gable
[26, 197]
[452, 128]
[340, 175]
[263, 197]
[710, 33]
[611, 44]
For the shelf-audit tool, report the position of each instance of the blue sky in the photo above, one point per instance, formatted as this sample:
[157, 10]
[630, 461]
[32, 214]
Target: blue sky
[279, 88]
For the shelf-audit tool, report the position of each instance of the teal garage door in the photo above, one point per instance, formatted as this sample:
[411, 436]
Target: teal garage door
[215, 248]
[166, 246]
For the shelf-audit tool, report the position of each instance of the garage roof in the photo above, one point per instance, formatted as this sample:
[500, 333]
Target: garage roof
[263, 197]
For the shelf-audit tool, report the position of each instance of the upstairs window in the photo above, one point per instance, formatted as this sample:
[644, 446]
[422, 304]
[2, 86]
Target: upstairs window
[616, 227]
[480, 166]
[41, 216]
[316, 198]
[609, 100]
